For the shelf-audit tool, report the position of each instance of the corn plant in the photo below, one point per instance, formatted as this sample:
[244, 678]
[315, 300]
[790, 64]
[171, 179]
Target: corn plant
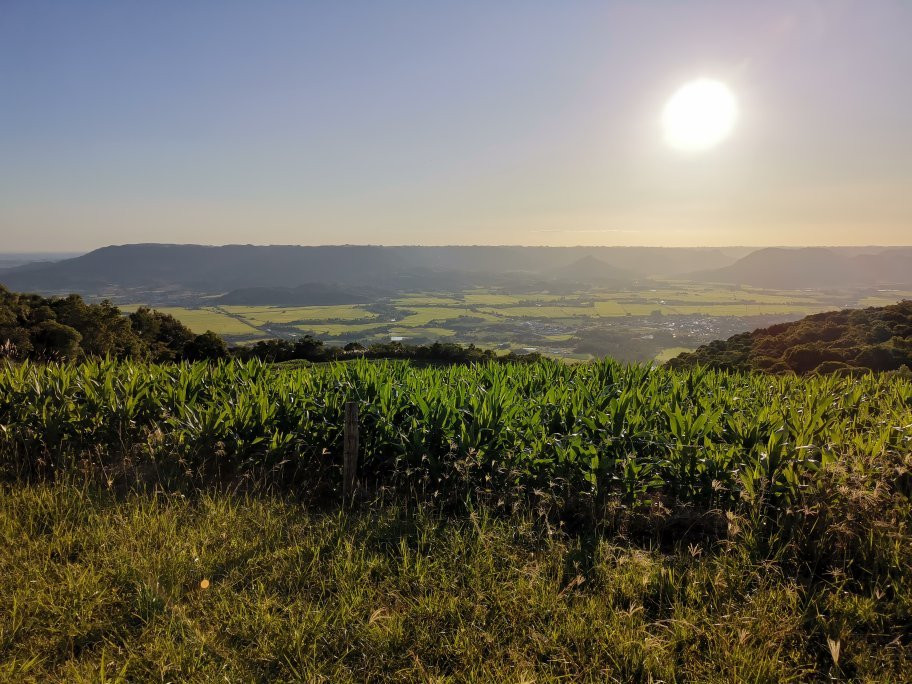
[602, 430]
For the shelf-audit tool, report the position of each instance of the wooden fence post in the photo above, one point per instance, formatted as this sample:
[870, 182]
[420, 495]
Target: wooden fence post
[350, 451]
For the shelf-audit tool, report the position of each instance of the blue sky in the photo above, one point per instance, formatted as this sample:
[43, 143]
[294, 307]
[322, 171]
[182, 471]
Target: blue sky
[449, 123]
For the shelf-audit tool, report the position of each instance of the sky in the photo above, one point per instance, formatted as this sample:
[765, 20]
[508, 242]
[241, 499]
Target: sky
[470, 122]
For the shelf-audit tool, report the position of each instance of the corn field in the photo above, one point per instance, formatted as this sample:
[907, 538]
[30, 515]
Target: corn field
[600, 432]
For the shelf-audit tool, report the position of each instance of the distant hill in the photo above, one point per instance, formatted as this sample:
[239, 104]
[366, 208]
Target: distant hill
[14, 259]
[877, 338]
[815, 267]
[216, 270]
[892, 266]
[591, 269]
[205, 270]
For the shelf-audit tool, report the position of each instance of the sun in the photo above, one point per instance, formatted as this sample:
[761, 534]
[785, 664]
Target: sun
[700, 115]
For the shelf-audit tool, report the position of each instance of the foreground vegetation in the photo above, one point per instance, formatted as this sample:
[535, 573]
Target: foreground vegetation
[582, 435]
[595, 522]
[97, 587]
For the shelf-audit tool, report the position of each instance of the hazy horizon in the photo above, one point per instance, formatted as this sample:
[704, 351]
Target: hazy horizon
[473, 124]
[72, 253]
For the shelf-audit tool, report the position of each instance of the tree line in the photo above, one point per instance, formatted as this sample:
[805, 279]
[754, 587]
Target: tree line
[70, 329]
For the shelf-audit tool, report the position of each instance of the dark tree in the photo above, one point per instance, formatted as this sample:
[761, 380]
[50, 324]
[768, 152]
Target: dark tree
[103, 330]
[164, 335]
[206, 347]
[53, 341]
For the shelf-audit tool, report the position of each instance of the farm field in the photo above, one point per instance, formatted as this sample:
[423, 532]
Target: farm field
[691, 314]
[670, 353]
[586, 522]
[263, 315]
[576, 424]
[885, 298]
[201, 320]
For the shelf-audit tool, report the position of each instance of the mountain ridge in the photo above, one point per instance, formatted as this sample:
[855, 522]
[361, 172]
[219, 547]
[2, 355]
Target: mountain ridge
[813, 267]
[219, 269]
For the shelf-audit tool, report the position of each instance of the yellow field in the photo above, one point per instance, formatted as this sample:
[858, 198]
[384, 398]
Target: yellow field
[542, 311]
[429, 314]
[670, 353]
[751, 309]
[884, 298]
[425, 332]
[201, 320]
[340, 328]
[261, 315]
[419, 300]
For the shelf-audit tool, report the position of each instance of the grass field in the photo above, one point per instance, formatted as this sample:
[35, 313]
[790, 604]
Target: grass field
[98, 588]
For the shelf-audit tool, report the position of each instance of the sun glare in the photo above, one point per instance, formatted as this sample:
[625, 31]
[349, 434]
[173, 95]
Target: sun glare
[699, 115]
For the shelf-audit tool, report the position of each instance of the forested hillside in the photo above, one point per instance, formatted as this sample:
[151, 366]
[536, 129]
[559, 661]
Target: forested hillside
[877, 338]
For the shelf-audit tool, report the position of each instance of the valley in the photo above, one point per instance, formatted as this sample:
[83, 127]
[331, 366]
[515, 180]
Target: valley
[576, 303]
[637, 323]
